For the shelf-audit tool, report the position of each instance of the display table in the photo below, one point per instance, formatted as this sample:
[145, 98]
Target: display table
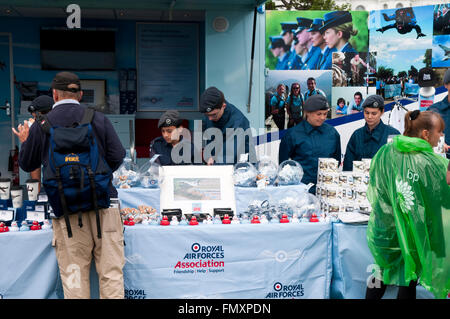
[28, 265]
[353, 263]
[306, 260]
[229, 261]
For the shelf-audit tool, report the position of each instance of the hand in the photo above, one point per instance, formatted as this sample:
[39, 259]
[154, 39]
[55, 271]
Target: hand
[23, 131]
[446, 148]
[210, 161]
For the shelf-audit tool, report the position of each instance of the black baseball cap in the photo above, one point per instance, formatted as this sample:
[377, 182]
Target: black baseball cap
[426, 77]
[42, 104]
[62, 80]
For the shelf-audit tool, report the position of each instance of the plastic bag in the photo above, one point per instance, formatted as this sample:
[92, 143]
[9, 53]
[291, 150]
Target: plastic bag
[290, 173]
[245, 174]
[126, 175]
[409, 228]
[267, 170]
[149, 174]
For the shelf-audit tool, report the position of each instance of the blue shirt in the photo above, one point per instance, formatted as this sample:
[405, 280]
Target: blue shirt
[312, 58]
[306, 144]
[277, 101]
[348, 48]
[443, 108]
[326, 61]
[308, 93]
[295, 62]
[354, 106]
[295, 106]
[365, 143]
[342, 110]
[282, 63]
[232, 118]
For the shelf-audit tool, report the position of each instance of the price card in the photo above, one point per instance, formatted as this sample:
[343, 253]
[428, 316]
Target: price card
[42, 198]
[34, 215]
[6, 215]
[39, 208]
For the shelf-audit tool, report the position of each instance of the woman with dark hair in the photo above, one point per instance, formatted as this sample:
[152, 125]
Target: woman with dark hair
[294, 104]
[408, 231]
[341, 107]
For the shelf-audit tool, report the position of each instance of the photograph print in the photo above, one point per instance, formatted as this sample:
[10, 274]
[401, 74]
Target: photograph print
[401, 29]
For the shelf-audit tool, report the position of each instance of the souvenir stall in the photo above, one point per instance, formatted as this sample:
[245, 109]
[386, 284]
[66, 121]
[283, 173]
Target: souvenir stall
[243, 231]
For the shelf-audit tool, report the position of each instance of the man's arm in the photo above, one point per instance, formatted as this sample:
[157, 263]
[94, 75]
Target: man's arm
[30, 155]
[114, 151]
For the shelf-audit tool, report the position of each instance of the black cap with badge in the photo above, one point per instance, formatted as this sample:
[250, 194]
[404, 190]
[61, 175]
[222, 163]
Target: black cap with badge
[63, 80]
[316, 102]
[170, 118]
[374, 101]
[211, 99]
[42, 104]
[426, 77]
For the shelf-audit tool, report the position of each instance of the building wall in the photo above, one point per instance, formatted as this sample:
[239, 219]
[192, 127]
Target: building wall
[369, 5]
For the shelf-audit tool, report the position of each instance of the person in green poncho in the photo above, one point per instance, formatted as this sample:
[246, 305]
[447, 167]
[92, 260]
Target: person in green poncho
[409, 227]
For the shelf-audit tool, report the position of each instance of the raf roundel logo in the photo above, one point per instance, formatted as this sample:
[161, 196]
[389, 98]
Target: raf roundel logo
[168, 121]
[195, 247]
[277, 286]
[375, 104]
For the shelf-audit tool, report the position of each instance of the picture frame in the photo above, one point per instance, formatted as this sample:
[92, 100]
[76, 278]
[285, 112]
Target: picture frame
[94, 93]
[197, 189]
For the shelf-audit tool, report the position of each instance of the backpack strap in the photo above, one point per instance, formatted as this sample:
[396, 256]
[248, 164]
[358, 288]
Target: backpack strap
[88, 115]
[43, 121]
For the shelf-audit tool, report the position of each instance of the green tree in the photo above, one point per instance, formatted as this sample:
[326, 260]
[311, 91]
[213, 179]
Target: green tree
[307, 5]
[402, 74]
[384, 73]
[427, 58]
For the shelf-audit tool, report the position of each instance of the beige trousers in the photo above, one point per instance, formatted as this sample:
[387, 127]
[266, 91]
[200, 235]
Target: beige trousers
[75, 254]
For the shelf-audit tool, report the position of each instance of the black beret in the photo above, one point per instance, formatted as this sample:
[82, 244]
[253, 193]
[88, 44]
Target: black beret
[316, 102]
[211, 99]
[375, 101]
[170, 118]
[43, 103]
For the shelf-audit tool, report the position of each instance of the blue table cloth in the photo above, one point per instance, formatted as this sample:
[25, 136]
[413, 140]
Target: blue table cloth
[28, 265]
[228, 261]
[353, 264]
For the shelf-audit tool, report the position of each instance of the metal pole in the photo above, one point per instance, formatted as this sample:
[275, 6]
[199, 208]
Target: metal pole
[251, 62]
[11, 84]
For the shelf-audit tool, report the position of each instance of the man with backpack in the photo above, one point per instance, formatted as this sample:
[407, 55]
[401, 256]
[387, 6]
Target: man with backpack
[79, 150]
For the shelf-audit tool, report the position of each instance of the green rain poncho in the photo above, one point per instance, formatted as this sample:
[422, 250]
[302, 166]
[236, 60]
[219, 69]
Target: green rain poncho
[409, 227]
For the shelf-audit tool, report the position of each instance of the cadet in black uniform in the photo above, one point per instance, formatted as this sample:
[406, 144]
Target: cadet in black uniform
[171, 135]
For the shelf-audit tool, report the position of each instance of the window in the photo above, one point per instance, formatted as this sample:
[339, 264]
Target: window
[360, 8]
[385, 6]
[399, 5]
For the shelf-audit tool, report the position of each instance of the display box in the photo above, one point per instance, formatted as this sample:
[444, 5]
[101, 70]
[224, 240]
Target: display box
[197, 189]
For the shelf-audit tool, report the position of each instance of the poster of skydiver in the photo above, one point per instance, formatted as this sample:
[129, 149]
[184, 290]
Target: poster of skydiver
[401, 29]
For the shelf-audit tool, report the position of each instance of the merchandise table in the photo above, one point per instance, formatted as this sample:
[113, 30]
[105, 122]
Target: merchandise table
[353, 263]
[332, 258]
